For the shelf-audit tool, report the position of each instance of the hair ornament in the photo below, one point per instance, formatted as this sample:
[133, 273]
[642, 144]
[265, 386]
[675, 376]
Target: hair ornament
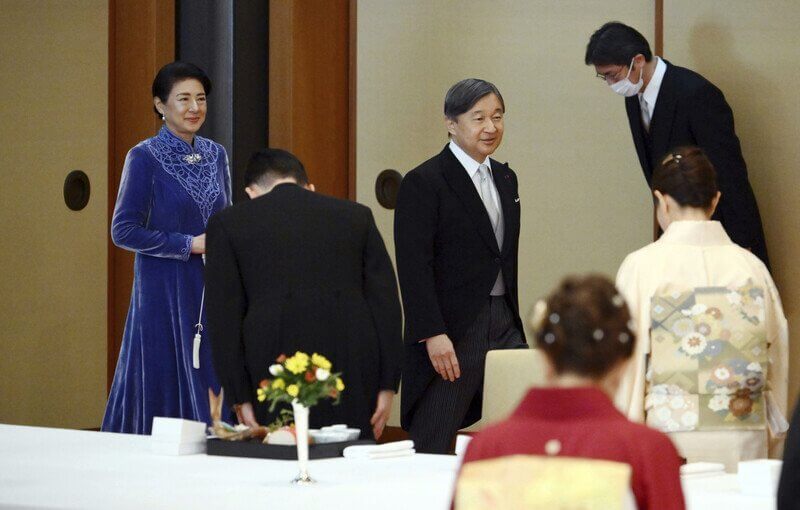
[554, 318]
[539, 314]
[598, 334]
[549, 338]
[672, 157]
[618, 301]
[624, 338]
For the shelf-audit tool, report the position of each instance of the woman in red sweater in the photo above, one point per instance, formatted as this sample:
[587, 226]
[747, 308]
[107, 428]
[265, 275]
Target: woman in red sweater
[567, 446]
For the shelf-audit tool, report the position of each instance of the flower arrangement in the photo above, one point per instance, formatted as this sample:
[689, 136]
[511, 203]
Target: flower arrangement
[301, 379]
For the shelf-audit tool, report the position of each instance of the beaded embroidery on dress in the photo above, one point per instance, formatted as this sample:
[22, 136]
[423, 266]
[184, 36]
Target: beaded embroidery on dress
[195, 168]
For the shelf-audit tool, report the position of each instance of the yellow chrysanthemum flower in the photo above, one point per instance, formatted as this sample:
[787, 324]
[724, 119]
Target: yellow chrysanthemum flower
[297, 364]
[339, 384]
[278, 384]
[293, 390]
[262, 394]
[320, 361]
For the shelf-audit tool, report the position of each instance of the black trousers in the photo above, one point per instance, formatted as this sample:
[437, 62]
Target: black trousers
[442, 408]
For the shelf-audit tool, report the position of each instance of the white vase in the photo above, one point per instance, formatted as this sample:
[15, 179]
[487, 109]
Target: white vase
[301, 433]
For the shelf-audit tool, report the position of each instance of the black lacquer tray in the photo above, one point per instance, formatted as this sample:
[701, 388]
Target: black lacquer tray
[255, 449]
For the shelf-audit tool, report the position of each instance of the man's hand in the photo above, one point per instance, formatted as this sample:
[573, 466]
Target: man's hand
[443, 357]
[383, 408]
[245, 415]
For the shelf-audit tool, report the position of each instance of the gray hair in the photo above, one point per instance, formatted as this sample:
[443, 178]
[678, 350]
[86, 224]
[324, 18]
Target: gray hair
[463, 95]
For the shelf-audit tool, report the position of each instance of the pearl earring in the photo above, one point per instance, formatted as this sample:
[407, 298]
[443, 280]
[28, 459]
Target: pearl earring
[162, 117]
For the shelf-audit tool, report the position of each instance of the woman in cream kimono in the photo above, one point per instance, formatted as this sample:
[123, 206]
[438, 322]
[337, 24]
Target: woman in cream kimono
[712, 368]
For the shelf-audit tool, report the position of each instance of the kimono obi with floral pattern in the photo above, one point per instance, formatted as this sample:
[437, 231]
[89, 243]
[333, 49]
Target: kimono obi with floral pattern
[708, 360]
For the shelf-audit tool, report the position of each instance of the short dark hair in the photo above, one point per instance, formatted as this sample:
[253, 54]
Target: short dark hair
[172, 73]
[583, 326]
[616, 43]
[687, 175]
[269, 165]
[463, 95]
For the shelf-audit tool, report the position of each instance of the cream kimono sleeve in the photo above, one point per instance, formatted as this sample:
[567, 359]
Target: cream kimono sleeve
[778, 341]
[631, 393]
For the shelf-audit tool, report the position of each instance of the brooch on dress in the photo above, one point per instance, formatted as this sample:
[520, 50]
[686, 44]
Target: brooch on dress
[192, 158]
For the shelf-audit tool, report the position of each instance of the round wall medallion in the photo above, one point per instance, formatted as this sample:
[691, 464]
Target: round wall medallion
[386, 186]
[76, 190]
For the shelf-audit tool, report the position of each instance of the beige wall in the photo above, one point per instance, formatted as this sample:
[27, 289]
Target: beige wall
[750, 52]
[566, 133]
[54, 119]
[585, 203]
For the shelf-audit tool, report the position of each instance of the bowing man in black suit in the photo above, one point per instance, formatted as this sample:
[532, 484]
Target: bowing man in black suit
[456, 236]
[295, 270]
[669, 106]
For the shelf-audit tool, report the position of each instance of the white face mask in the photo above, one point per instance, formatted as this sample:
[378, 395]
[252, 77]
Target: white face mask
[626, 87]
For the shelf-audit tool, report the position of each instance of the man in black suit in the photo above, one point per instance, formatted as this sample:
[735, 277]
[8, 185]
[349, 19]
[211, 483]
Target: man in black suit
[669, 106]
[789, 486]
[292, 270]
[456, 237]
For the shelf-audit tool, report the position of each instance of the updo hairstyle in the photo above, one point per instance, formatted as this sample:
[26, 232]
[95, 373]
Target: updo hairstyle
[174, 72]
[687, 175]
[584, 327]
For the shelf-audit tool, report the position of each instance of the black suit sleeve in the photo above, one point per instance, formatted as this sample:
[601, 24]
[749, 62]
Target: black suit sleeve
[380, 291]
[713, 129]
[415, 224]
[226, 305]
[789, 486]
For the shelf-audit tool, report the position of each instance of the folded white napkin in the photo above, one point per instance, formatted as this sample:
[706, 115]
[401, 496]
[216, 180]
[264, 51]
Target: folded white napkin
[380, 451]
[702, 469]
[462, 440]
[759, 477]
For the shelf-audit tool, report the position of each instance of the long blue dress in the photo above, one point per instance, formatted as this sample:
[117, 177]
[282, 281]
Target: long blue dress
[168, 191]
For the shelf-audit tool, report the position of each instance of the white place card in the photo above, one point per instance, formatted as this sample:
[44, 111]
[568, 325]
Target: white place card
[176, 436]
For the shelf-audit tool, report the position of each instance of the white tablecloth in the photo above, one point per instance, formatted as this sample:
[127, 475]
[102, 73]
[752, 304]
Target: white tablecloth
[57, 468]
[722, 493]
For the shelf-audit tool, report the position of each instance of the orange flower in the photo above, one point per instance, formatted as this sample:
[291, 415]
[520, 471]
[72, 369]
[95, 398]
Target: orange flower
[741, 405]
[264, 383]
[309, 376]
[333, 393]
[281, 358]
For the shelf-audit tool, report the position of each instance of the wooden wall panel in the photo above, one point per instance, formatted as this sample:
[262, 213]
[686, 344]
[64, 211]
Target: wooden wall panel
[53, 340]
[141, 41]
[309, 83]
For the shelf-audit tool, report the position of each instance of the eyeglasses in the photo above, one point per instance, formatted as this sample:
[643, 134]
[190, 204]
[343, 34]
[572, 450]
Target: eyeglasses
[610, 76]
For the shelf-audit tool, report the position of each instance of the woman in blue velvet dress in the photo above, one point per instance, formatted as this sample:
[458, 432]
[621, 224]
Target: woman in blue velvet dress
[171, 184]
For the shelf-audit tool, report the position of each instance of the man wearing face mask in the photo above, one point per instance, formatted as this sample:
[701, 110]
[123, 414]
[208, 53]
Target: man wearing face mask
[670, 106]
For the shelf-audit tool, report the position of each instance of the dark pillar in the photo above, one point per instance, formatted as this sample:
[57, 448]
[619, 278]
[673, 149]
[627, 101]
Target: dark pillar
[228, 39]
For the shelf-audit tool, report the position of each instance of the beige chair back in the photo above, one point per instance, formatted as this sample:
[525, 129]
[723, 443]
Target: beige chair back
[509, 375]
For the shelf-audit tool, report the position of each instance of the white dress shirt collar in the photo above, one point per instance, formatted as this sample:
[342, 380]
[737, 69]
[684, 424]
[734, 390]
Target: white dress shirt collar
[650, 94]
[466, 161]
